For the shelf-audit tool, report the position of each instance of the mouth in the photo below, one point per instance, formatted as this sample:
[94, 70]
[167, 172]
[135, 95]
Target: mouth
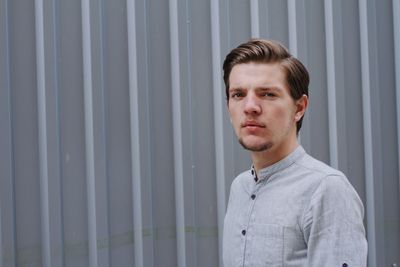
[252, 124]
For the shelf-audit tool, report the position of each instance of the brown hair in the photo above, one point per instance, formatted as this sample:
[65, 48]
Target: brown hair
[268, 51]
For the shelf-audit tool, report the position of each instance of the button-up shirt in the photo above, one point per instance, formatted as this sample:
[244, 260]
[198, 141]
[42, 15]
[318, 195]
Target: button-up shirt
[296, 212]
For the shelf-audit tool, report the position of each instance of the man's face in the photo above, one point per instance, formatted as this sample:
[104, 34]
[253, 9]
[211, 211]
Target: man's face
[262, 111]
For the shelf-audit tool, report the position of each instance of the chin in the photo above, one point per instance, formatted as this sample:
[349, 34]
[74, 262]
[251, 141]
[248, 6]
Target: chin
[255, 146]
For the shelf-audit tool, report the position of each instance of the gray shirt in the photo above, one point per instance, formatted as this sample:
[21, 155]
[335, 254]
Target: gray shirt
[300, 212]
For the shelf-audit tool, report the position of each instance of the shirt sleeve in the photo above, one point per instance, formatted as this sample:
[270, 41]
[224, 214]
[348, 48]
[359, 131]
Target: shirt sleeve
[333, 225]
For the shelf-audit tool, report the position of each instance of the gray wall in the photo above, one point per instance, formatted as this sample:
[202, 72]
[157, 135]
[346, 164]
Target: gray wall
[115, 146]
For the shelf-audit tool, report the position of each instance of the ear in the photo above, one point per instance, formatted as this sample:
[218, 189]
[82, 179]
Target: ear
[301, 106]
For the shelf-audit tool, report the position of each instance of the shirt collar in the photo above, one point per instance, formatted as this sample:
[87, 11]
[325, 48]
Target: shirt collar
[267, 172]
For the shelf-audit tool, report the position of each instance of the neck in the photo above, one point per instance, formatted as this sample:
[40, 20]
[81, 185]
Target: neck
[271, 156]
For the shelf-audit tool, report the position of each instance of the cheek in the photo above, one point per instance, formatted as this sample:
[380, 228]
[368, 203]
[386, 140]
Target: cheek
[282, 116]
[279, 113]
[235, 122]
[233, 115]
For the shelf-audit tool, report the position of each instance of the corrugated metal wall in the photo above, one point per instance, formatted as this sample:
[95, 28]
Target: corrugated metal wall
[115, 145]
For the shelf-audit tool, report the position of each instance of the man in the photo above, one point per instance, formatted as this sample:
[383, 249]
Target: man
[289, 209]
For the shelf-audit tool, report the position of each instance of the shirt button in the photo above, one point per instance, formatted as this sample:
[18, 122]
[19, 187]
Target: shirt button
[344, 264]
[243, 232]
[253, 196]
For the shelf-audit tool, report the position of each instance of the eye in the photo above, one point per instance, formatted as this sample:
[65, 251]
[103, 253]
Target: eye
[237, 94]
[269, 94]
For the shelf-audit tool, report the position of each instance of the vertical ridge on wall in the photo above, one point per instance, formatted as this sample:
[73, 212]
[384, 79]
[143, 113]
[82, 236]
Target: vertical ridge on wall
[218, 121]
[255, 20]
[54, 152]
[396, 32]
[368, 143]
[42, 127]
[135, 138]
[146, 175]
[177, 132]
[188, 156]
[292, 22]
[7, 163]
[331, 75]
[100, 133]
[1, 241]
[89, 133]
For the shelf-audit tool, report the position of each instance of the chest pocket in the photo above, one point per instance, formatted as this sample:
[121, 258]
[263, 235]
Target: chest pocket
[265, 246]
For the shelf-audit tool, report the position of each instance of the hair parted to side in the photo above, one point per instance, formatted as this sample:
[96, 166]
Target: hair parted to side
[269, 51]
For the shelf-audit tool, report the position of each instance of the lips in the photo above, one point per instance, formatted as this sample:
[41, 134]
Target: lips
[252, 124]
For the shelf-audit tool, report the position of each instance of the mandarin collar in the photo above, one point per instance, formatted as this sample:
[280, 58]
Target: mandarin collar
[267, 172]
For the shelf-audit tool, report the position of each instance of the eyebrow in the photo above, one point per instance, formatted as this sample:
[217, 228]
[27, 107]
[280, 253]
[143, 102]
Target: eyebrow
[268, 88]
[234, 89]
[261, 88]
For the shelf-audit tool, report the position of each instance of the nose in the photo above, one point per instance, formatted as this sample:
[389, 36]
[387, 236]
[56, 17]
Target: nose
[252, 105]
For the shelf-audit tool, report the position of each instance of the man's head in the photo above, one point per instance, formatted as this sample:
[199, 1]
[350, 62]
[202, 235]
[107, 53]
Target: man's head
[270, 52]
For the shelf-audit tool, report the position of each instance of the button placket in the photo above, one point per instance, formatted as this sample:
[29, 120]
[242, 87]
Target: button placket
[246, 235]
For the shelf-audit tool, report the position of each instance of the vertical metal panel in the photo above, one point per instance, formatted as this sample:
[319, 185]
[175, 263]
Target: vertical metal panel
[218, 97]
[343, 161]
[116, 227]
[239, 27]
[135, 138]
[50, 27]
[177, 126]
[72, 135]
[7, 195]
[330, 64]
[145, 108]
[100, 132]
[204, 212]
[219, 107]
[292, 18]
[25, 132]
[336, 90]
[161, 134]
[350, 140]
[255, 21]
[368, 143]
[385, 138]
[1, 242]
[312, 52]
[89, 134]
[186, 75]
[396, 32]
[274, 20]
[42, 126]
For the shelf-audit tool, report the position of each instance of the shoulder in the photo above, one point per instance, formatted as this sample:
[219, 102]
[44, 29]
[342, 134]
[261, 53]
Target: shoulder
[329, 180]
[330, 190]
[332, 222]
[335, 195]
[311, 164]
[314, 176]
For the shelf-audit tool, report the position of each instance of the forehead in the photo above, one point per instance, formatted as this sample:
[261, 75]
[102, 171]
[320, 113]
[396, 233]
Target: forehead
[262, 74]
